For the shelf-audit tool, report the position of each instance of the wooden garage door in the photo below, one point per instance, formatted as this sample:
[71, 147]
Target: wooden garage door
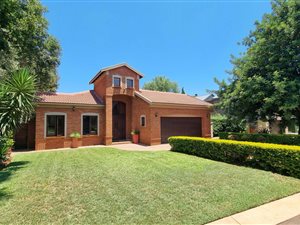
[183, 126]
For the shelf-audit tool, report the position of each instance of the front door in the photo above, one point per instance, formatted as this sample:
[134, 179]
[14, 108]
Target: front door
[119, 121]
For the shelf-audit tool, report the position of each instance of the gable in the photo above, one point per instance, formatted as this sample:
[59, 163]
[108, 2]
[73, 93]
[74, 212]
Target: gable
[115, 70]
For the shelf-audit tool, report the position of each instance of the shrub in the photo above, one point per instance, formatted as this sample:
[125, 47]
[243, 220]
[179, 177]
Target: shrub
[283, 159]
[5, 146]
[284, 139]
[222, 123]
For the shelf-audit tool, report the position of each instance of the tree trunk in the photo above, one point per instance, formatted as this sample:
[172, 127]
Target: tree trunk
[299, 125]
[298, 121]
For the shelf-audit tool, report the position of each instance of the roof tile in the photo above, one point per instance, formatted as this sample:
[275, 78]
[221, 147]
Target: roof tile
[171, 98]
[85, 97]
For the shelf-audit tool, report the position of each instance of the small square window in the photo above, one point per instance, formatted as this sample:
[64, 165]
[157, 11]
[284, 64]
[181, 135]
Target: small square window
[116, 82]
[143, 121]
[129, 83]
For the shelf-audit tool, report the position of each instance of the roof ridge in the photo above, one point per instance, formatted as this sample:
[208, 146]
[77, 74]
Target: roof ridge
[164, 92]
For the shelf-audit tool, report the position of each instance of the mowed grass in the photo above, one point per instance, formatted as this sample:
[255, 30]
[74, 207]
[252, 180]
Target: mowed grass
[109, 186]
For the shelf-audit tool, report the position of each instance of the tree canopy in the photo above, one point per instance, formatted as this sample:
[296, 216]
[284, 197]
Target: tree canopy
[162, 83]
[265, 80]
[25, 42]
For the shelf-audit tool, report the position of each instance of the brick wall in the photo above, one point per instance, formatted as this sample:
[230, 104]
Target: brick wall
[140, 107]
[73, 124]
[103, 85]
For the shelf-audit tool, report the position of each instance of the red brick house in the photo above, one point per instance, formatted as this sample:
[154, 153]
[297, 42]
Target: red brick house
[111, 111]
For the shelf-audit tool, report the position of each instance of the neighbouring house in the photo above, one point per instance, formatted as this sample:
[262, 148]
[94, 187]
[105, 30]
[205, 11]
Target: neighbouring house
[259, 125]
[110, 111]
[211, 98]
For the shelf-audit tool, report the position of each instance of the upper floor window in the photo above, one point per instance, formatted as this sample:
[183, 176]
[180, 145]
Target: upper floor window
[129, 82]
[55, 125]
[90, 124]
[143, 121]
[116, 81]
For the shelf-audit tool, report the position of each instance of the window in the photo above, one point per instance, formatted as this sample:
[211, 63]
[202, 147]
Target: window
[55, 125]
[129, 83]
[116, 81]
[143, 121]
[90, 125]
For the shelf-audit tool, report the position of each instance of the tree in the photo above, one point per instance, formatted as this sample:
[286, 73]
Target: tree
[182, 91]
[17, 97]
[265, 80]
[223, 123]
[25, 42]
[162, 83]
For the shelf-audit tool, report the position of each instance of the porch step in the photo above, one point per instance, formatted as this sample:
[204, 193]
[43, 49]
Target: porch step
[121, 142]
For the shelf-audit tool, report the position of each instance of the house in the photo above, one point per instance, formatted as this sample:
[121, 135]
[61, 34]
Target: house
[110, 111]
[211, 98]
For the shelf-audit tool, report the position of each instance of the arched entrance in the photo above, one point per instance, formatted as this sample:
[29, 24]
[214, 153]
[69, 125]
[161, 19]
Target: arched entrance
[119, 121]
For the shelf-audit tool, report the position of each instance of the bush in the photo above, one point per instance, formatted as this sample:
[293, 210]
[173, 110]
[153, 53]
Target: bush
[5, 147]
[222, 123]
[284, 139]
[283, 159]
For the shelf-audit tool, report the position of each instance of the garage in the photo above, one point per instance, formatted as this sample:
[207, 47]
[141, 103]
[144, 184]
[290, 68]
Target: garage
[180, 126]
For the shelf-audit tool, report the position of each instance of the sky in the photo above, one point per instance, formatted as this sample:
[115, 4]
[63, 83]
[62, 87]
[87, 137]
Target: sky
[189, 42]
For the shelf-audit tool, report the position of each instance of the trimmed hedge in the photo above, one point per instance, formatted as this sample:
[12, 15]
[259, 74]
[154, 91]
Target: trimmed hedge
[283, 159]
[283, 139]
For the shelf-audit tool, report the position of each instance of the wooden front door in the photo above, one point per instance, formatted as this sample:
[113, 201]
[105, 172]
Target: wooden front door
[119, 121]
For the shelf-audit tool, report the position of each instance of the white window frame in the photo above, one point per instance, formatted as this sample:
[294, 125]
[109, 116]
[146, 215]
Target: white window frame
[141, 120]
[54, 114]
[98, 119]
[117, 76]
[129, 78]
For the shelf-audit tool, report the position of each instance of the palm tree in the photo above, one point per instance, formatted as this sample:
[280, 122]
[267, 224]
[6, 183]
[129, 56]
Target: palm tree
[17, 98]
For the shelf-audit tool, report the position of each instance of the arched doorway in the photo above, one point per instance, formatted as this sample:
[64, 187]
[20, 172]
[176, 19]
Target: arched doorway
[119, 121]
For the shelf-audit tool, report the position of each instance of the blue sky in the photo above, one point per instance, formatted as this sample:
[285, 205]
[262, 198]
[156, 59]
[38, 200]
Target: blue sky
[190, 42]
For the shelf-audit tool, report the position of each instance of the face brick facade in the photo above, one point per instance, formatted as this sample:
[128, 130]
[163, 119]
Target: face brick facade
[118, 110]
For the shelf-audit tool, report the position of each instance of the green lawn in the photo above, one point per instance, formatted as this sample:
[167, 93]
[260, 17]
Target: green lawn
[97, 186]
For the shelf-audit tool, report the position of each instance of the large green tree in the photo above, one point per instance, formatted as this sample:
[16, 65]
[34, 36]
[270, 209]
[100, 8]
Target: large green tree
[162, 83]
[265, 80]
[25, 42]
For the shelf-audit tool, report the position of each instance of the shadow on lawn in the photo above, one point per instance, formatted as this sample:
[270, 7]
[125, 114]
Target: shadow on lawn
[6, 173]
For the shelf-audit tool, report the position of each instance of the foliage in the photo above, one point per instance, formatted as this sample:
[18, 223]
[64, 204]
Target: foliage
[25, 42]
[222, 123]
[283, 159]
[17, 97]
[265, 80]
[75, 135]
[162, 83]
[131, 187]
[284, 139]
[182, 91]
[133, 132]
[5, 145]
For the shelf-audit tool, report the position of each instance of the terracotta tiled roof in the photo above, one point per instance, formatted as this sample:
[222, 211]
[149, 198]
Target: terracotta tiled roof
[170, 98]
[85, 97]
